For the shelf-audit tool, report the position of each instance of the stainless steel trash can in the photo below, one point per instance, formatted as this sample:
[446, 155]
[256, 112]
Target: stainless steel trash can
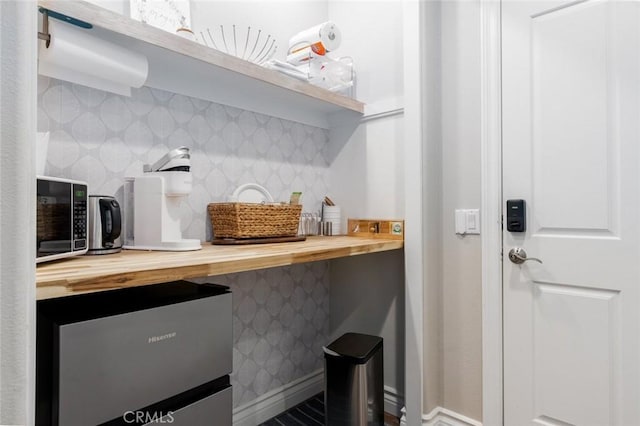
[353, 372]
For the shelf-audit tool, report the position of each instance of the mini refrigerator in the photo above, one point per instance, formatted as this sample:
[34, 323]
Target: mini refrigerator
[138, 356]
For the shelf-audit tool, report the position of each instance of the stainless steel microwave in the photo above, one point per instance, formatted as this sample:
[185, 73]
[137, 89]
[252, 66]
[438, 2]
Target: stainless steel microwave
[61, 218]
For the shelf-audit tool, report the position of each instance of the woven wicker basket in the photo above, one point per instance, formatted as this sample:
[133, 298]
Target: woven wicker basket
[251, 220]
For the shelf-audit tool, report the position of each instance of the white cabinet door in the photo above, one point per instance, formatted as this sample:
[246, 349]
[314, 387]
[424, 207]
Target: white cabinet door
[571, 138]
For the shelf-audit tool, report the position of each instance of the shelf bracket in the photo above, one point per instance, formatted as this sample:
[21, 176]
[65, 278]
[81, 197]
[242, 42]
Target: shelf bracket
[44, 35]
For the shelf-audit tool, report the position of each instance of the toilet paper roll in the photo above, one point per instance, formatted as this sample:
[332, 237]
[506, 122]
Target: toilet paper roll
[77, 56]
[322, 38]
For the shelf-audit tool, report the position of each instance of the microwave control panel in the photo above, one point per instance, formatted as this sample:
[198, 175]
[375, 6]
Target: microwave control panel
[79, 217]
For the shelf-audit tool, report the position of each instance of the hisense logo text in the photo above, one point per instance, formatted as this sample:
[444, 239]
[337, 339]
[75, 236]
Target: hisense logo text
[156, 339]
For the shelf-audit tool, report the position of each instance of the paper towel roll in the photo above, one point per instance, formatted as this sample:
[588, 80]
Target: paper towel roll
[325, 36]
[77, 56]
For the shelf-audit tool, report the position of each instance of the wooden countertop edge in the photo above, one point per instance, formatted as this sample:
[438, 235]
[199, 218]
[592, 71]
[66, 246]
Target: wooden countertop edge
[52, 281]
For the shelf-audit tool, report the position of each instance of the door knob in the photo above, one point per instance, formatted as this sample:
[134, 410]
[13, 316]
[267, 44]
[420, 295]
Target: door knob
[518, 256]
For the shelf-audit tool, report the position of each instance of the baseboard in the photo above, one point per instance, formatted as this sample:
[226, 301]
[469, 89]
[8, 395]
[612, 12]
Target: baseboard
[393, 401]
[278, 400]
[443, 417]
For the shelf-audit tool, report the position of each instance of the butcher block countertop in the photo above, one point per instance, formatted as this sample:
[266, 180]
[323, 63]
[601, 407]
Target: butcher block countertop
[87, 274]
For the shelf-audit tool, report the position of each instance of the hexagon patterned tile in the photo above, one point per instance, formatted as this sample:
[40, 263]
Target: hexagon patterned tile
[280, 315]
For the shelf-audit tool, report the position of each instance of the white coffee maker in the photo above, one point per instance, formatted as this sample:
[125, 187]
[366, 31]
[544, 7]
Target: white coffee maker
[156, 197]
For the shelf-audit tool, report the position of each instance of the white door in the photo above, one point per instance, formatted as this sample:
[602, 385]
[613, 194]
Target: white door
[571, 139]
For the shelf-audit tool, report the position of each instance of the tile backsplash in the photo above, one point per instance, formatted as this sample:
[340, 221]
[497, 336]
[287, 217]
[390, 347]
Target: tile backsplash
[101, 138]
[281, 315]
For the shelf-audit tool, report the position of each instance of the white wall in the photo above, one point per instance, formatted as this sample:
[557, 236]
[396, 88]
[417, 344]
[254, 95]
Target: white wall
[367, 181]
[18, 27]
[367, 170]
[366, 178]
[432, 204]
[452, 294]
[461, 281]
[372, 36]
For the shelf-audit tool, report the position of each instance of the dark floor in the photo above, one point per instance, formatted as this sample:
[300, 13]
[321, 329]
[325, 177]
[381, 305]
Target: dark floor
[311, 413]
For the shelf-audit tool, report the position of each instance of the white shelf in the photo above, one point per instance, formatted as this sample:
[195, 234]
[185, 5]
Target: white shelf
[189, 68]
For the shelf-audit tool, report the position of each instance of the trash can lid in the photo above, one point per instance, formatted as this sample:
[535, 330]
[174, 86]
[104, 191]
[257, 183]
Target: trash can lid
[356, 347]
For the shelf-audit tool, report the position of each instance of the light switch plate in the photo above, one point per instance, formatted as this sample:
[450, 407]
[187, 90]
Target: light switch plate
[467, 221]
[473, 221]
